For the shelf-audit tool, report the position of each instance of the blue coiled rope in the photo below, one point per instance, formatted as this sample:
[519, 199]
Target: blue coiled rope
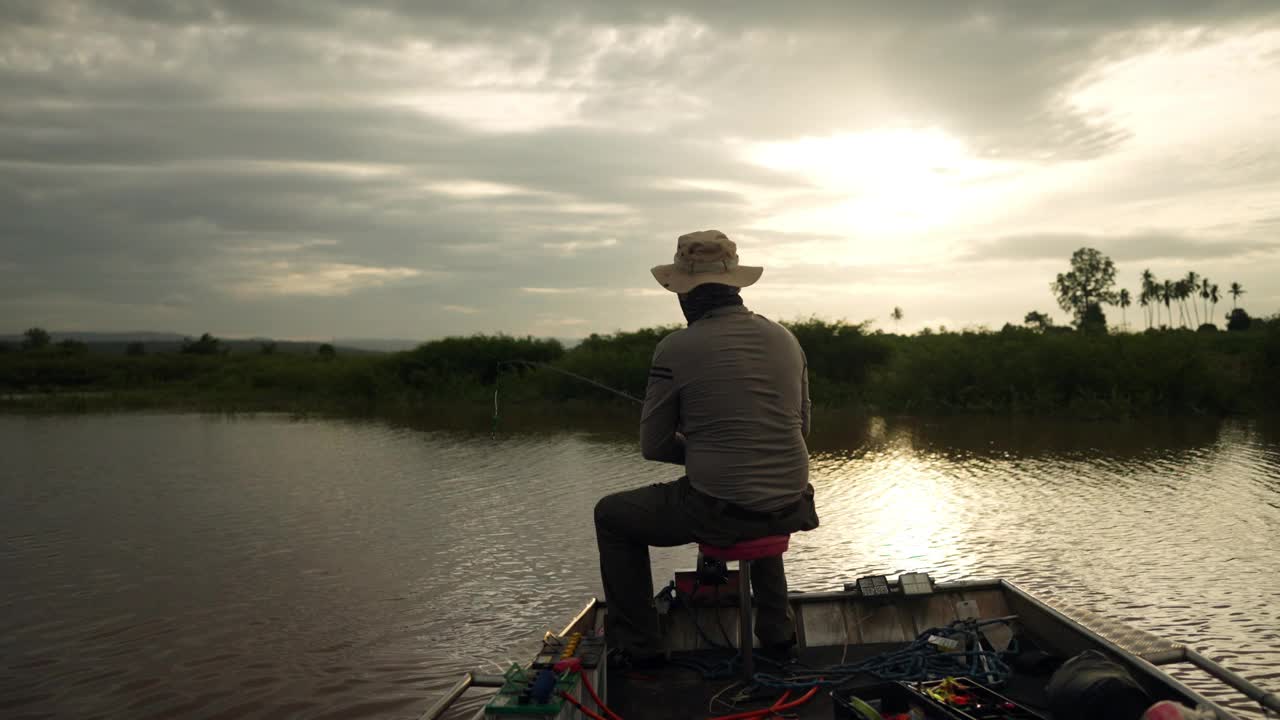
[922, 660]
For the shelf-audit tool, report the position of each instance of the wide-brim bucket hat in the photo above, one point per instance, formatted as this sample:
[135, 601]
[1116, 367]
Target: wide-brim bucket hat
[706, 256]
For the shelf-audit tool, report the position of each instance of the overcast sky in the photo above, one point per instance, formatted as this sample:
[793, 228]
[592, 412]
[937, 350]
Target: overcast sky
[322, 168]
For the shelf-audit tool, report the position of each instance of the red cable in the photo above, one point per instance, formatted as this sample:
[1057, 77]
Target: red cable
[586, 683]
[778, 705]
[770, 710]
[781, 699]
[580, 706]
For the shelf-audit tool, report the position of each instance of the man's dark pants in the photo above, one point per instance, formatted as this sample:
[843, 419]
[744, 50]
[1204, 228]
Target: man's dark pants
[670, 514]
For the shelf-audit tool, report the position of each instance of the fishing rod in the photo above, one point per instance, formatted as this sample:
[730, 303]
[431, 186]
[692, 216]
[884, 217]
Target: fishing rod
[552, 368]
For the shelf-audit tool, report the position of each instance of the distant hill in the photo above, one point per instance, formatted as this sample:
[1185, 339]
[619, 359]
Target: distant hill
[114, 343]
[400, 344]
[170, 342]
[106, 337]
[379, 344]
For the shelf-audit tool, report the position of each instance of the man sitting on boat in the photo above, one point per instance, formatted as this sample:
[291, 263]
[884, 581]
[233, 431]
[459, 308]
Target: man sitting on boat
[728, 398]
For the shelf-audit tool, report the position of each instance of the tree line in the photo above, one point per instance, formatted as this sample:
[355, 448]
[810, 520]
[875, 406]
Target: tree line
[1035, 367]
[1016, 370]
[1090, 283]
[1184, 292]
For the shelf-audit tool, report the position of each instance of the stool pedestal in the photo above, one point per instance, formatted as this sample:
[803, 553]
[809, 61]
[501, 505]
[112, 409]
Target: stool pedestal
[744, 618]
[744, 553]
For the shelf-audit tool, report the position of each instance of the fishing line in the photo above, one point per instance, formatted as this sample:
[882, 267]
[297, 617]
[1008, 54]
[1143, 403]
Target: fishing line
[552, 368]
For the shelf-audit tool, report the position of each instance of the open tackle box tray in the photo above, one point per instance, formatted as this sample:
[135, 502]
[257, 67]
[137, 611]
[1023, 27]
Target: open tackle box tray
[949, 699]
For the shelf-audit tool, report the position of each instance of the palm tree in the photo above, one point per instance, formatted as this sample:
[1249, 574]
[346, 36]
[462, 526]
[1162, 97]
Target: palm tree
[1148, 294]
[1166, 294]
[1205, 286]
[1180, 294]
[1214, 297]
[1185, 288]
[1124, 303]
[1236, 291]
[1190, 285]
[896, 315]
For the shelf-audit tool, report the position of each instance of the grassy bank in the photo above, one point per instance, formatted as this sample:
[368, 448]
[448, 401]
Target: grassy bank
[1013, 371]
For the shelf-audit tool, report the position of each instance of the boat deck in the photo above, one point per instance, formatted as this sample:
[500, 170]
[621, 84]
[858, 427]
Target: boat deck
[838, 631]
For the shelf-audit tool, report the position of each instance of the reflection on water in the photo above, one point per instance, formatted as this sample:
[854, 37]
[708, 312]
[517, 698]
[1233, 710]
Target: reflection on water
[193, 566]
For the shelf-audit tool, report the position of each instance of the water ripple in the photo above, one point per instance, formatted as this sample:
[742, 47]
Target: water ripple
[195, 566]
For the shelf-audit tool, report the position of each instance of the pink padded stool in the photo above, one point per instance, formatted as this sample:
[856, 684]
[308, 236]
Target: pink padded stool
[744, 552]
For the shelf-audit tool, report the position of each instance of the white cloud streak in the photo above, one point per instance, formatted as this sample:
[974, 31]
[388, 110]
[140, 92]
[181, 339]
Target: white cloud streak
[284, 278]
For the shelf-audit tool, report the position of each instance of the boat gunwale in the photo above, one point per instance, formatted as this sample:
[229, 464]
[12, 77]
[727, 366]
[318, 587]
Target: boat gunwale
[1136, 662]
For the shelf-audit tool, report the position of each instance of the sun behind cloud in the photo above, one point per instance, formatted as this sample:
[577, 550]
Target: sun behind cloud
[884, 183]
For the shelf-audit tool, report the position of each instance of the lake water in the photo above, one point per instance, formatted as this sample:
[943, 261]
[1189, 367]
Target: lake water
[225, 567]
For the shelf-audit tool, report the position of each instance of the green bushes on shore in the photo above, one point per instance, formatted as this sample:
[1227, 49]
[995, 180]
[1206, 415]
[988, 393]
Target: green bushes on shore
[1085, 374]
[1016, 370]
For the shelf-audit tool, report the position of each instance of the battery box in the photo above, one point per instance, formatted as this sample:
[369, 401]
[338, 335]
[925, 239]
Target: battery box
[534, 691]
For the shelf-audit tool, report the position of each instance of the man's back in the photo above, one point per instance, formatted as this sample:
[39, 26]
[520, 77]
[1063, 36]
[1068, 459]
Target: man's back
[728, 399]
[735, 385]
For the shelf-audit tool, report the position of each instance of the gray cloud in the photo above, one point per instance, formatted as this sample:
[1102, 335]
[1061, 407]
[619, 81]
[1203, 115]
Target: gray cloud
[495, 15]
[159, 154]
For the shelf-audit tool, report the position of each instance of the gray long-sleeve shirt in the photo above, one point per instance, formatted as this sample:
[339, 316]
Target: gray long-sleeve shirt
[736, 385]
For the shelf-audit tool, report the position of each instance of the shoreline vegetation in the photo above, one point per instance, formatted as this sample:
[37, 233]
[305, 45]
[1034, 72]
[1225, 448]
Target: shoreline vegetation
[1083, 371]
[1038, 370]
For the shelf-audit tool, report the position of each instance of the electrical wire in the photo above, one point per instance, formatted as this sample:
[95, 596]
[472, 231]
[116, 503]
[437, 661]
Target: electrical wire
[848, 638]
[693, 614]
[745, 693]
[720, 619]
[581, 707]
[716, 698]
[586, 683]
[778, 706]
